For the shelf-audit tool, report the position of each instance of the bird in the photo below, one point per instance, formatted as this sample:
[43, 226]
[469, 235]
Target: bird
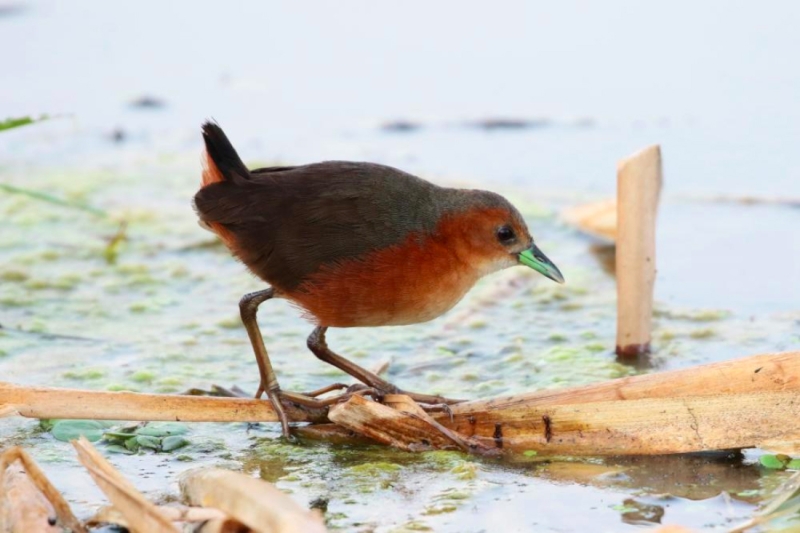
[354, 244]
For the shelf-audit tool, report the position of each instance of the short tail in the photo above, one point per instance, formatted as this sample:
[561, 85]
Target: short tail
[222, 163]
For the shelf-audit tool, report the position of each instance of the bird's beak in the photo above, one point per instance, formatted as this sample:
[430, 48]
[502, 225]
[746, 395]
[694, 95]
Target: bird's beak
[534, 258]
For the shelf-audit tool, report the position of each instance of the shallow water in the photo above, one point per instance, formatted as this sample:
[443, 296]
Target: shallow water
[163, 317]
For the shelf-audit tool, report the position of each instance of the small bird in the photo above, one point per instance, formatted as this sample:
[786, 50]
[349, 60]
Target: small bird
[352, 245]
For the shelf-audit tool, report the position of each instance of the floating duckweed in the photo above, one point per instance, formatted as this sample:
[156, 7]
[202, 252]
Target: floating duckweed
[13, 275]
[588, 335]
[465, 470]
[470, 376]
[118, 387]
[19, 301]
[704, 333]
[697, 315]
[138, 307]
[37, 326]
[414, 525]
[478, 324]
[368, 477]
[143, 376]
[131, 268]
[179, 271]
[87, 374]
[232, 322]
[443, 459]
[140, 280]
[561, 353]
[453, 495]
[557, 337]
[595, 347]
[666, 335]
[440, 508]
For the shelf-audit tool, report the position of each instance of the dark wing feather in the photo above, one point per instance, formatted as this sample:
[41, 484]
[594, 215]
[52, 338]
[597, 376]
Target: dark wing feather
[288, 221]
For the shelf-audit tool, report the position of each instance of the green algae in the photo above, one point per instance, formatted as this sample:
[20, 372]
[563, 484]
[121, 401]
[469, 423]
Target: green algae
[86, 374]
[704, 333]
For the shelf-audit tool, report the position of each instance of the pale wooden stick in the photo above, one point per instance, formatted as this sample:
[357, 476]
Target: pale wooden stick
[28, 500]
[45, 402]
[638, 187]
[141, 515]
[253, 502]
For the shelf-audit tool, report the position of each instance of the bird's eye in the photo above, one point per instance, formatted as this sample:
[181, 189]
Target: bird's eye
[506, 235]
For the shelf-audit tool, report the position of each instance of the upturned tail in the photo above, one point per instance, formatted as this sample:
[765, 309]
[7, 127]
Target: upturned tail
[222, 168]
[222, 163]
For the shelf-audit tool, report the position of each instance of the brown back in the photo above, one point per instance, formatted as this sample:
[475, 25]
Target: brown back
[287, 221]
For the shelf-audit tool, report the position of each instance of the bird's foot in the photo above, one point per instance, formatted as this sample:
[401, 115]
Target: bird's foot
[430, 400]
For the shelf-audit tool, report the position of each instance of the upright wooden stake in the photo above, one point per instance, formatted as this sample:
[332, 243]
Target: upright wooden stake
[638, 186]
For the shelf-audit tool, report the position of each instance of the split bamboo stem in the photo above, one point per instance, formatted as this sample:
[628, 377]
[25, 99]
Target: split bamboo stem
[740, 403]
[639, 180]
[46, 402]
[28, 500]
[753, 401]
[141, 515]
[253, 502]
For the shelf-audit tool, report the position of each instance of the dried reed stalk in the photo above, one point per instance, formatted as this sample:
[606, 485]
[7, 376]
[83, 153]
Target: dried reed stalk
[28, 500]
[46, 402]
[638, 187]
[141, 515]
[253, 502]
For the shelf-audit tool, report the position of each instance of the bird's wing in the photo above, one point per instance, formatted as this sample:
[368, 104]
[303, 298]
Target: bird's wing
[288, 221]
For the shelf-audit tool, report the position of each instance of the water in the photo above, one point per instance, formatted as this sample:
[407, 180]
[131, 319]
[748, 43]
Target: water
[715, 84]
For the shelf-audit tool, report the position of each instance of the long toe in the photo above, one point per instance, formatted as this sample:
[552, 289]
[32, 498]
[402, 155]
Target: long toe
[432, 399]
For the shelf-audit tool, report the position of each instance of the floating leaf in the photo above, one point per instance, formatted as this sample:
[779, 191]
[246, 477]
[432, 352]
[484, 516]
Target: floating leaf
[147, 441]
[772, 461]
[116, 448]
[173, 442]
[131, 444]
[67, 430]
[163, 429]
[109, 435]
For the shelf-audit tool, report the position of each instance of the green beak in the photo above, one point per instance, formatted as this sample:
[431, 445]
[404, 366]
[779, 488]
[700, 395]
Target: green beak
[534, 258]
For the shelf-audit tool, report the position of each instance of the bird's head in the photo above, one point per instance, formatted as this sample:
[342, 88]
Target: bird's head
[491, 235]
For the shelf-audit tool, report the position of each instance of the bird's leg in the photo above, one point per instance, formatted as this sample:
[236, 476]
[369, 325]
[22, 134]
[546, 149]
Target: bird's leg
[317, 344]
[248, 309]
